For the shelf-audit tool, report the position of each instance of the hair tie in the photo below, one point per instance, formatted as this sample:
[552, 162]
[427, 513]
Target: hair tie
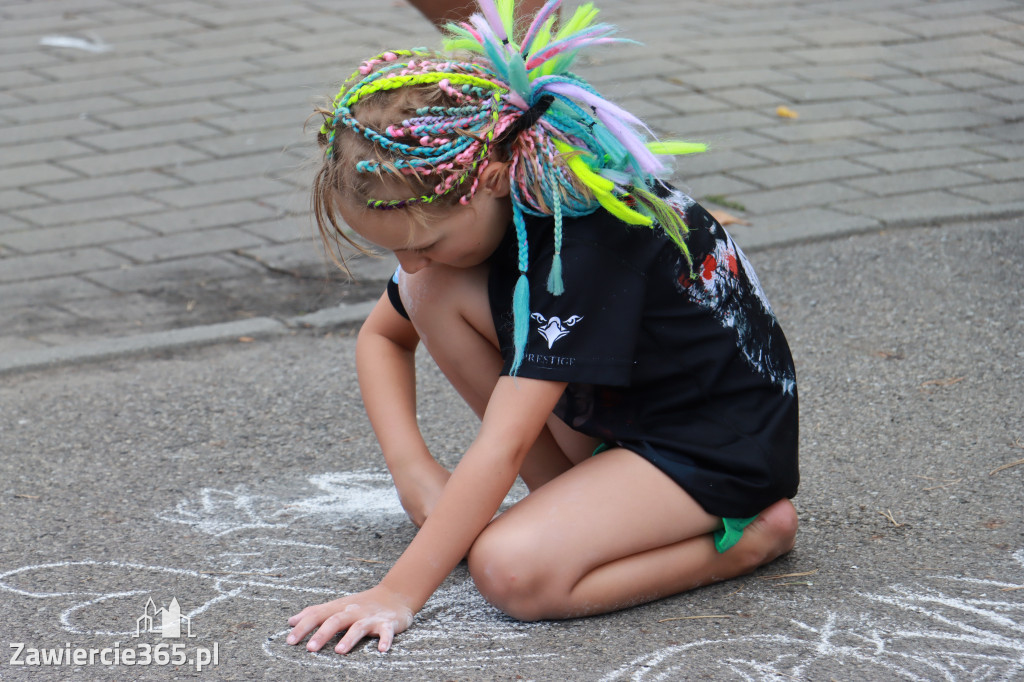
[528, 119]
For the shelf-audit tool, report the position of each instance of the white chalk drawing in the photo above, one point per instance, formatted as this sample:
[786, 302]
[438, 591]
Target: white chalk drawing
[951, 636]
[934, 628]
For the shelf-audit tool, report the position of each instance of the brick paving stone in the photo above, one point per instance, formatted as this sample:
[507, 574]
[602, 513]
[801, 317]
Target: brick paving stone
[292, 116]
[16, 198]
[151, 276]
[215, 71]
[25, 175]
[1010, 152]
[33, 152]
[133, 116]
[916, 85]
[823, 131]
[122, 140]
[288, 228]
[948, 101]
[943, 120]
[925, 158]
[192, 91]
[216, 192]
[817, 92]
[972, 81]
[44, 291]
[914, 181]
[38, 240]
[41, 266]
[995, 193]
[808, 195]
[85, 211]
[206, 217]
[854, 71]
[264, 164]
[111, 185]
[920, 205]
[810, 151]
[70, 89]
[186, 244]
[1008, 170]
[38, 132]
[802, 173]
[932, 139]
[105, 65]
[48, 112]
[139, 159]
[256, 141]
[718, 185]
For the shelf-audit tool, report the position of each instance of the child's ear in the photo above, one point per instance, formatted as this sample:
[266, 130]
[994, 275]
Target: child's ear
[494, 178]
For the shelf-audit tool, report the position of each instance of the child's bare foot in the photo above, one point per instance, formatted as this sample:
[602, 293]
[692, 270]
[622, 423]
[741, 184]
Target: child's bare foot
[771, 535]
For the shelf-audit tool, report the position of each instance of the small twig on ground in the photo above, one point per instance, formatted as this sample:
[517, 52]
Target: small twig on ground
[28, 497]
[787, 575]
[367, 561]
[888, 514]
[1006, 466]
[267, 575]
[943, 382]
[717, 615]
[946, 482]
[1012, 589]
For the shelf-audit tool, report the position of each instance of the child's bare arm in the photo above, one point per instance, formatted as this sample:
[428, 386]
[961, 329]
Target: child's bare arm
[514, 418]
[385, 361]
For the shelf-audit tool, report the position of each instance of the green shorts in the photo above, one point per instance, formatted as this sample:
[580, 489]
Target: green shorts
[726, 536]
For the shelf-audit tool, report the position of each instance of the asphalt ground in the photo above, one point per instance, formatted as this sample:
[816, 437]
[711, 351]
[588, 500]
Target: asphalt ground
[243, 480]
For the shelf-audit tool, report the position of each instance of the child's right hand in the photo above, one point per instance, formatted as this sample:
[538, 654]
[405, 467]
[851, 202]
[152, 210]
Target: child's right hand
[375, 612]
[419, 488]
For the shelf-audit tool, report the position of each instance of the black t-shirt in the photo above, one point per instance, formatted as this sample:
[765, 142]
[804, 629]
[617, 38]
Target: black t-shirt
[686, 366]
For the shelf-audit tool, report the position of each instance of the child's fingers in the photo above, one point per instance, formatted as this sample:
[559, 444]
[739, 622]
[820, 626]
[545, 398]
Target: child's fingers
[298, 616]
[387, 636]
[306, 622]
[356, 632]
[331, 626]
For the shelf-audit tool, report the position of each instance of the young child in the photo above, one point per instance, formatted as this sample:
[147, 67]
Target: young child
[612, 338]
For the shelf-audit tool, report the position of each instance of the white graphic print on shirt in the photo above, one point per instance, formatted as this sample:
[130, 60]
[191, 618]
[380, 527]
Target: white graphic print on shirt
[554, 328]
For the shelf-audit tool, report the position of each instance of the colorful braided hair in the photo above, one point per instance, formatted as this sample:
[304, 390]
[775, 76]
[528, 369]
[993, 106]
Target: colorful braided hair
[570, 151]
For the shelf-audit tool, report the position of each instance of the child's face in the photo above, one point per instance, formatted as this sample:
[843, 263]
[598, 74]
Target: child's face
[461, 236]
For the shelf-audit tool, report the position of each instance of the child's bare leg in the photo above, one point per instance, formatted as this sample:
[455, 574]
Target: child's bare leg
[452, 315]
[612, 532]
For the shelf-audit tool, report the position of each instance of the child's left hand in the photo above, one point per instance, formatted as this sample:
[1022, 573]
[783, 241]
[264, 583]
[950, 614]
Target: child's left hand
[378, 611]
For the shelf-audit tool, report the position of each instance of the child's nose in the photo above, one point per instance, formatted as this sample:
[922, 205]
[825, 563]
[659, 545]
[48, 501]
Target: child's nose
[412, 263]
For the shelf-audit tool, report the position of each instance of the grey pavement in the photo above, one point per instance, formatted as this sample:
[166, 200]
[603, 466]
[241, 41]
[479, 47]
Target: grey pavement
[153, 174]
[244, 481]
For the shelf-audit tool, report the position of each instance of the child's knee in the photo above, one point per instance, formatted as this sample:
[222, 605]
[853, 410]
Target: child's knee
[508, 576]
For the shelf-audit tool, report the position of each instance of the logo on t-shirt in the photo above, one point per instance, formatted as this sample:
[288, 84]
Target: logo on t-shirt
[554, 328]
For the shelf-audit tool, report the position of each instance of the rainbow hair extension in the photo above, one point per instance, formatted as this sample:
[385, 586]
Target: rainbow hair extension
[570, 151]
